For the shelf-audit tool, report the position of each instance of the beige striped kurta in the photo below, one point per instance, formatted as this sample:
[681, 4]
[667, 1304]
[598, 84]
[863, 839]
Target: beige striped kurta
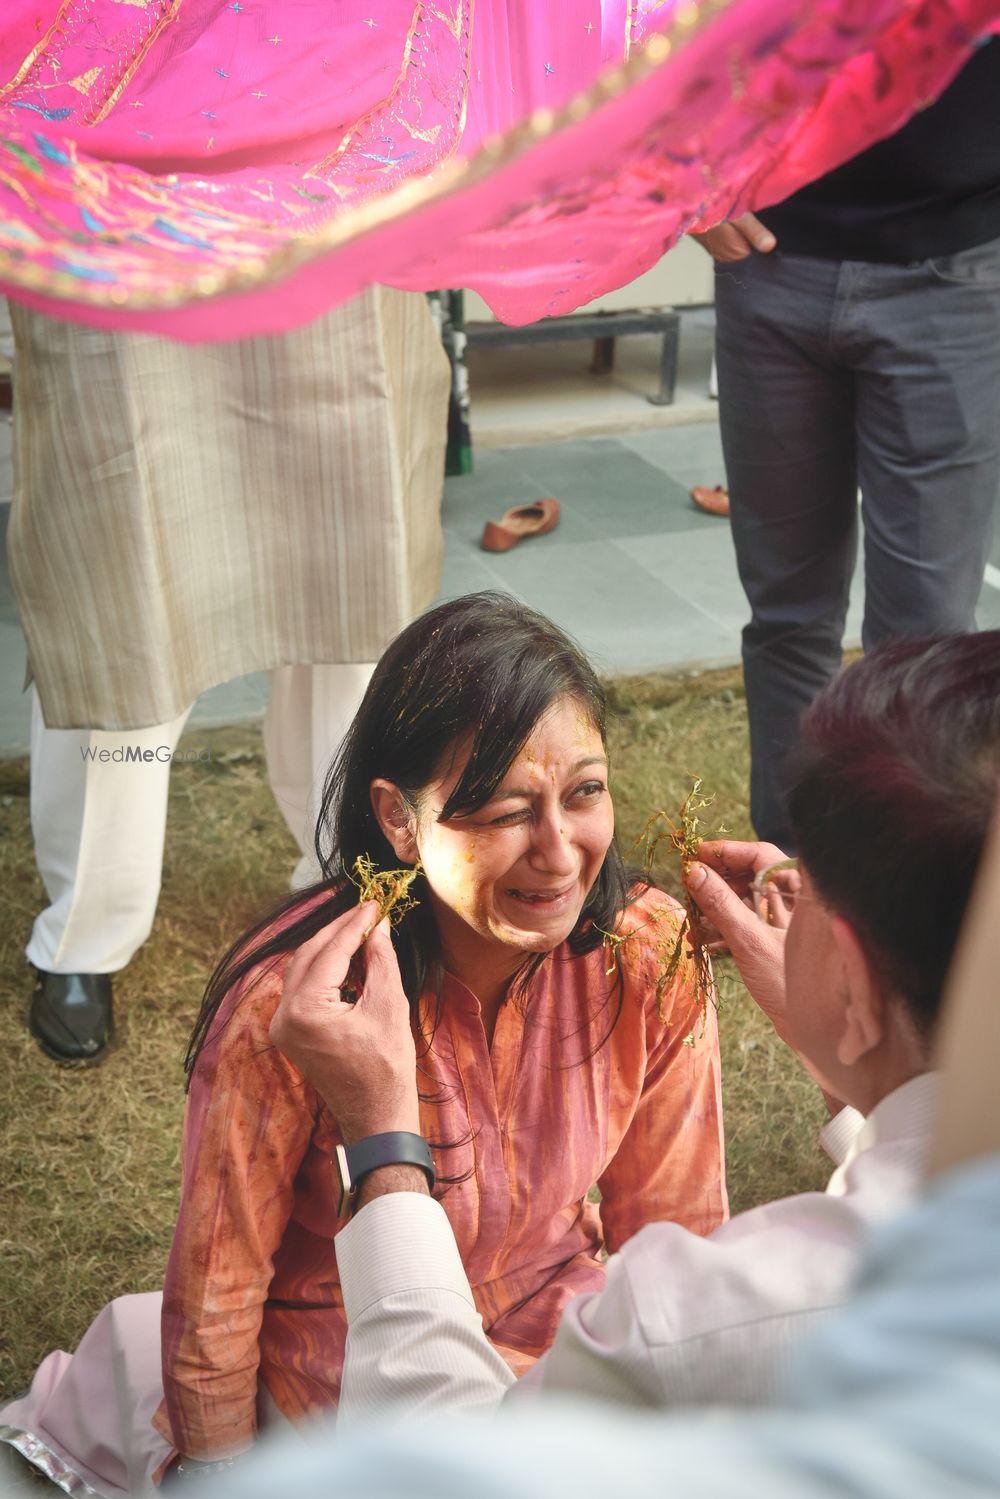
[186, 514]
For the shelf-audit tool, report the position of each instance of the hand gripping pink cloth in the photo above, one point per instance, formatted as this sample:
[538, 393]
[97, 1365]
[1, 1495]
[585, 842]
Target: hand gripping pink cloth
[212, 170]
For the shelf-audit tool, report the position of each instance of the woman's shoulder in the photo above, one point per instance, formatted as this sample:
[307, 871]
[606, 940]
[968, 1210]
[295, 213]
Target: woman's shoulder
[648, 932]
[250, 1002]
[242, 1023]
[649, 907]
[257, 995]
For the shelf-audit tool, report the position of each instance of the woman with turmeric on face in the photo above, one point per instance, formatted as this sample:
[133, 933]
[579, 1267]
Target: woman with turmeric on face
[479, 756]
[480, 751]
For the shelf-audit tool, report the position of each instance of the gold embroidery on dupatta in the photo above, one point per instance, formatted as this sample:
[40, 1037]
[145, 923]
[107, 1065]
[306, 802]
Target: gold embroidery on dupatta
[453, 19]
[266, 265]
[168, 13]
[53, 42]
[629, 22]
[85, 82]
[36, 52]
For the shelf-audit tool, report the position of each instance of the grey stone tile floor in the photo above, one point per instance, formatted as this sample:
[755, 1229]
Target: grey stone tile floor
[640, 577]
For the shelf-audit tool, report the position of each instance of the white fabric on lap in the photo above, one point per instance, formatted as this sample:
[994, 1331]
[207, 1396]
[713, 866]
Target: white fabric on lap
[86, 1422]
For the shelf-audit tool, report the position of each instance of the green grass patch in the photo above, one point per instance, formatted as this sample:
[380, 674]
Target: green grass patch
[91, 1157]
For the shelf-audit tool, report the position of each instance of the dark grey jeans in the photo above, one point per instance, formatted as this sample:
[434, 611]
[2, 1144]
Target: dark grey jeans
[835, 375]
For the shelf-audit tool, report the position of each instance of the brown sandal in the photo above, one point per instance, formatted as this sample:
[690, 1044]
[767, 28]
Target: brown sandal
[713, 501]
[518, 523]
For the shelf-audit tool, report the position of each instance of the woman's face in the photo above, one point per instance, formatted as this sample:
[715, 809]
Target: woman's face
[515, 873]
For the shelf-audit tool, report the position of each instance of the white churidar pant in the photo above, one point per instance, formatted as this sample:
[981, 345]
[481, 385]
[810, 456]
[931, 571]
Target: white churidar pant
[99, 825]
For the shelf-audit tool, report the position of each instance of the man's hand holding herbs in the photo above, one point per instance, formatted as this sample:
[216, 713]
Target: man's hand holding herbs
[721, 883]
[353, 1045]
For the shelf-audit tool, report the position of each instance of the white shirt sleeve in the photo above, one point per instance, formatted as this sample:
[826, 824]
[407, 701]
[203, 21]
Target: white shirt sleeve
[685, 1320]
[716, 1316]
[899, 1396]
[682, 1320]
[415, 1341]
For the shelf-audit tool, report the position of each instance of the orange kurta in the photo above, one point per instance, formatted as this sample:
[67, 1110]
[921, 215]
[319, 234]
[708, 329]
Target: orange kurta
[252, 1289]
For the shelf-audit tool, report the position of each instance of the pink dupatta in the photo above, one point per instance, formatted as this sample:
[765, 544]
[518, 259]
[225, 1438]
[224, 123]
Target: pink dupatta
[210, 169]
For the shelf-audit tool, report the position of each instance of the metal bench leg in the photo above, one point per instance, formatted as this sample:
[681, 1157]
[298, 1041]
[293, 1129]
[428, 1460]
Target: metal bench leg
[668, 365]
[603, 359]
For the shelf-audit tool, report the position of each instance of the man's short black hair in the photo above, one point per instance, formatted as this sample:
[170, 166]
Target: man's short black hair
[892, 794]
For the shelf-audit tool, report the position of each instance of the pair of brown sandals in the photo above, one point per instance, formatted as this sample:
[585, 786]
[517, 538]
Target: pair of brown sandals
[522, 521]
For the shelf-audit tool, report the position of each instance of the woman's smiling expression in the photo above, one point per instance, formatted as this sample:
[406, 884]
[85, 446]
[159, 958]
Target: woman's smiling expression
[511, 877]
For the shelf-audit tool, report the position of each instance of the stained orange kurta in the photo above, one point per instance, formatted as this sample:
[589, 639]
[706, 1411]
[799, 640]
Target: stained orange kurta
[558, 1104]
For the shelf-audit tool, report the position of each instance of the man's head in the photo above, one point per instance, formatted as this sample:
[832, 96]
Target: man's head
[892, 795]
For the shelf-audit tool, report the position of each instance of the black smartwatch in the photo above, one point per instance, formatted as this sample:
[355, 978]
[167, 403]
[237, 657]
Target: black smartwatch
[397, 1148]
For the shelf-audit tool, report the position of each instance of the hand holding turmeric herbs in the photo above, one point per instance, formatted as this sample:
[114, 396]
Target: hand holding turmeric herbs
[389, 888]
[684, 837]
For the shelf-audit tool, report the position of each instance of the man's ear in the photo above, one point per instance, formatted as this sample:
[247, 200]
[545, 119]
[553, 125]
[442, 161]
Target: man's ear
[864, 1011]
[394, 819]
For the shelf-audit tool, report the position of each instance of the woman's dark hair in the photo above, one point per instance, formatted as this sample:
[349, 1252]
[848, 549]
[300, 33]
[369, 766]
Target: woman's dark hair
[892, 795]
[475, 674]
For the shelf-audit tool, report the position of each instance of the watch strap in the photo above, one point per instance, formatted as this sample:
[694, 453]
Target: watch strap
[395, 1148]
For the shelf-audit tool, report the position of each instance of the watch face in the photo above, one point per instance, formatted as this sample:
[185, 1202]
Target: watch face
[342, 1172]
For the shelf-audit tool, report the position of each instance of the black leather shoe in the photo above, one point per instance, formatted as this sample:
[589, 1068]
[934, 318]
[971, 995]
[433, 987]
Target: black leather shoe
[71, 1015]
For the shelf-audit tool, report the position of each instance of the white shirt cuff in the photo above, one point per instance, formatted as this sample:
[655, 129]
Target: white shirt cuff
[398, 1243]
[839, 1133]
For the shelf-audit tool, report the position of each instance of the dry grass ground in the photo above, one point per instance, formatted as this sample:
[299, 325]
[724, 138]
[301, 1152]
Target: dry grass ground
[91, 1157]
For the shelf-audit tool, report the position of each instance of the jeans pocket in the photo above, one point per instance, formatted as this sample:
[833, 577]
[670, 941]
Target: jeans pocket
[979, 266]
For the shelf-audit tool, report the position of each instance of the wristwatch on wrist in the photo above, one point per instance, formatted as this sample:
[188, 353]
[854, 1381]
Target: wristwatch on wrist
[397, 1148]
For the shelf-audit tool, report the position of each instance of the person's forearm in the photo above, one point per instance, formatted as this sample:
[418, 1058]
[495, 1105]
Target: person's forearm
[210, 1383]
[248, 1126]
[415, 1341]
[386, 1179]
